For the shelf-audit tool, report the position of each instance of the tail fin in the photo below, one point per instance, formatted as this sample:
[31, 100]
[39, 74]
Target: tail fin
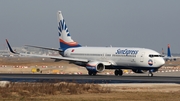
[168, 51]
[64, 35]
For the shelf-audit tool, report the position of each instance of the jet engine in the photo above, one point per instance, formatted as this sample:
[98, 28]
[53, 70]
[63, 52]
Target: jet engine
[95, 66]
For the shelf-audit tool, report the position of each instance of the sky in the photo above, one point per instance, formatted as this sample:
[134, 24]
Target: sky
[122, 23]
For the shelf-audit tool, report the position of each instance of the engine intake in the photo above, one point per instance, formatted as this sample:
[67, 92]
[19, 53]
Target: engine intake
[95, 66]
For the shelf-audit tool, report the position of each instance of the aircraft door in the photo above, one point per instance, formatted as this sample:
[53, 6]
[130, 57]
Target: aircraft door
[142, 57]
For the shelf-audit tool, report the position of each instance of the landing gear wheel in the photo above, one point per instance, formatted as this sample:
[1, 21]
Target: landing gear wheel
[94, 73]
[150, 74]
[90, 73]
[118, 72]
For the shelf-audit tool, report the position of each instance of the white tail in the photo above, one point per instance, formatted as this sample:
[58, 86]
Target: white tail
[64, 35]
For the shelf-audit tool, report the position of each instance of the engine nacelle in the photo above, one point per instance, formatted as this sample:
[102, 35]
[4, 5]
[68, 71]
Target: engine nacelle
[95, 66]
[139, 71]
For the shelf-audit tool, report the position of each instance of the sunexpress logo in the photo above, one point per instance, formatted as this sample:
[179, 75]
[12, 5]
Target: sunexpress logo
[62, 26]
[127, 52]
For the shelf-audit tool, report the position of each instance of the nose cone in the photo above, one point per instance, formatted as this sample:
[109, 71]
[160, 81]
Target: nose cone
[161, 62]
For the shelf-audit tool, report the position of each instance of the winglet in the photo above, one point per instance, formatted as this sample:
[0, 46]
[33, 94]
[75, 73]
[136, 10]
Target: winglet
[10, 47]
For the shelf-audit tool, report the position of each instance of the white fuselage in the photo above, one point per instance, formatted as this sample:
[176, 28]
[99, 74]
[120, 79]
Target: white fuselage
[118, 56]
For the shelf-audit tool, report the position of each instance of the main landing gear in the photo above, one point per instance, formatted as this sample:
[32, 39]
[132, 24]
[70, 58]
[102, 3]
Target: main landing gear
[92, 73]
[118, 72]
[150, 73]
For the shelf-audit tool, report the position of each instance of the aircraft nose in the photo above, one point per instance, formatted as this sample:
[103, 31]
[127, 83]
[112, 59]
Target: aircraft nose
[161, 62]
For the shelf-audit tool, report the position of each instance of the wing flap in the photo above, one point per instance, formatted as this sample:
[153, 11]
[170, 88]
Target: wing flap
[47, 48]
[55, 57]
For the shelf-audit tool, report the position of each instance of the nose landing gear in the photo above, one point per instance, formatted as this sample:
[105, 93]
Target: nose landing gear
[150, 73]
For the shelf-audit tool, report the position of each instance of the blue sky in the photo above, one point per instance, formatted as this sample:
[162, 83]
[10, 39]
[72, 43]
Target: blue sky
[131, 23]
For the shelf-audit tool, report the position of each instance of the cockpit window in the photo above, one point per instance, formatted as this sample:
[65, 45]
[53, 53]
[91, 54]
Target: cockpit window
[151, 55]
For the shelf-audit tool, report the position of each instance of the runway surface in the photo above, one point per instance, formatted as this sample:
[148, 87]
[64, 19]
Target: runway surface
[131, 78]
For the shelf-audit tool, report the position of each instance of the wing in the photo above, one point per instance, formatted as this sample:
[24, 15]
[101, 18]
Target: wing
[45, 56]
[47, 48]
[55, 57]
[106, 63]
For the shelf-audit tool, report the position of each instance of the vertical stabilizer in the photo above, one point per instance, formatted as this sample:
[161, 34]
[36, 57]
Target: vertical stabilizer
[64, 36]
[168, 51]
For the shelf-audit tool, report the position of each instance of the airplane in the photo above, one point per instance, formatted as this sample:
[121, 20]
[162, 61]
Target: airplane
[169, 56]
[97, 59]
